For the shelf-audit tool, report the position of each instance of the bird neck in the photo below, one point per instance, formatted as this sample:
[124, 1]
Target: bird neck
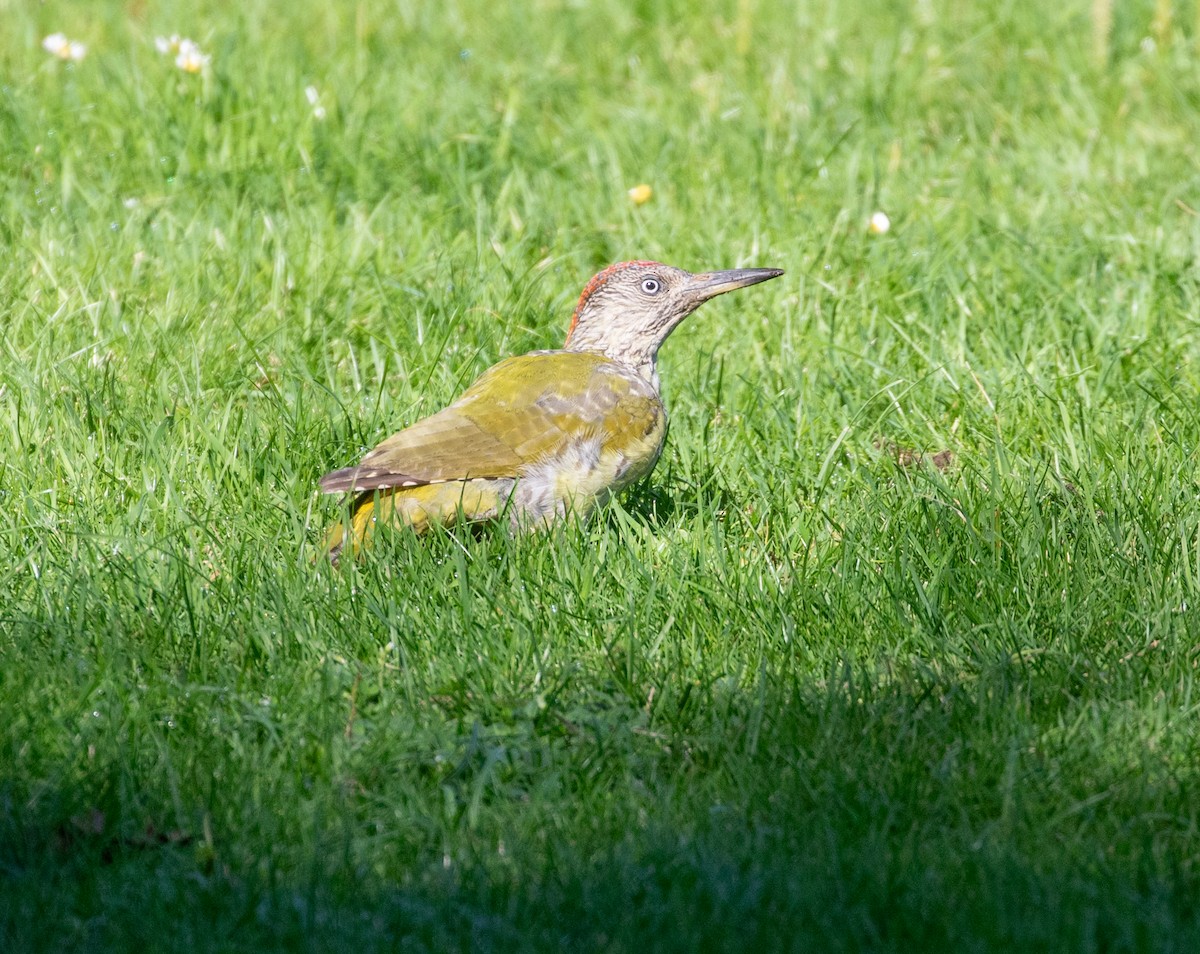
[639, 358]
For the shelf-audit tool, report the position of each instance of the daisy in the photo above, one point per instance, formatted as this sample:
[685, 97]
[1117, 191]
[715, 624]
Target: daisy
[56, 44]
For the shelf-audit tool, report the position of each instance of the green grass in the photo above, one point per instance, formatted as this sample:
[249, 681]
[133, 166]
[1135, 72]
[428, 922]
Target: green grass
[790, 693]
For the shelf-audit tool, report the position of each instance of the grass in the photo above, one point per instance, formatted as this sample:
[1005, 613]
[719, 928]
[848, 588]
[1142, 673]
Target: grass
[800, 690]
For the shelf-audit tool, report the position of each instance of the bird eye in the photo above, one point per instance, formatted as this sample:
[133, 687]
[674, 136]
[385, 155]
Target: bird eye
[651, 286]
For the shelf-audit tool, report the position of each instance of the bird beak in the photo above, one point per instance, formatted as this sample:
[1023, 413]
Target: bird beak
[711, 284]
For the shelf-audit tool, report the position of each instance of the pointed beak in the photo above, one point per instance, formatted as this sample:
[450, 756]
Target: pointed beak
[711, 284]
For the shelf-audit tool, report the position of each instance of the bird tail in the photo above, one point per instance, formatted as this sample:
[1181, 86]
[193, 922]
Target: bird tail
[352, 533]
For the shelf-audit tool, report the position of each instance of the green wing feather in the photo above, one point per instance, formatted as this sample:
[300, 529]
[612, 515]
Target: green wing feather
[522, 411]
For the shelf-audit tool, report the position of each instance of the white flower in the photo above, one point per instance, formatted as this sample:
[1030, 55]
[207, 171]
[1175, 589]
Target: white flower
[314, 100]
[58, 45]
[190, 59]
[879, 223]
[188, 55]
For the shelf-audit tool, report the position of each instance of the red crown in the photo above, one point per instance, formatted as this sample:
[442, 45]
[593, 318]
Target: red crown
[597, 280]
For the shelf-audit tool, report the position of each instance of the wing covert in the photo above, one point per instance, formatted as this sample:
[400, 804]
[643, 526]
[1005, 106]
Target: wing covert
[522, 411]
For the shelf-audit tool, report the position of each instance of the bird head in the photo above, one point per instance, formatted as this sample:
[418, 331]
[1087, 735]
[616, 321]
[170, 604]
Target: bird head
[627, 311]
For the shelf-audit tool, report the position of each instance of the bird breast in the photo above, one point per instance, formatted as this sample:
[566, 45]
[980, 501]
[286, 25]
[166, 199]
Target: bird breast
[587, 473]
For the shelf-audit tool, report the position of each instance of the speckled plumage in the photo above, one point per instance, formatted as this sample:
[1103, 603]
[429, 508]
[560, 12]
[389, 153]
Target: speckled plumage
[542, 433]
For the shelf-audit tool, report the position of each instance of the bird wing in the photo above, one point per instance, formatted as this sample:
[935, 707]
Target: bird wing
[522, 411]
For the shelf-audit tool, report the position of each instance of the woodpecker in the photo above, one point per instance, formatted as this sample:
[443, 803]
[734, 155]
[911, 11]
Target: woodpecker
[542, 434]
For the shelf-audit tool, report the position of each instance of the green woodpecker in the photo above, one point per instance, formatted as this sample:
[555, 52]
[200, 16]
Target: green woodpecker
[543, 433]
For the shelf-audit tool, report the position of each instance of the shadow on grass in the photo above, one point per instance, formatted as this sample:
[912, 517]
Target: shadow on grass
[907, 813]
[665, 500]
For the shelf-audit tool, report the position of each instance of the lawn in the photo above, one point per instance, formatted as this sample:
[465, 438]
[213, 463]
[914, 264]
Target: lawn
[896, 650]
